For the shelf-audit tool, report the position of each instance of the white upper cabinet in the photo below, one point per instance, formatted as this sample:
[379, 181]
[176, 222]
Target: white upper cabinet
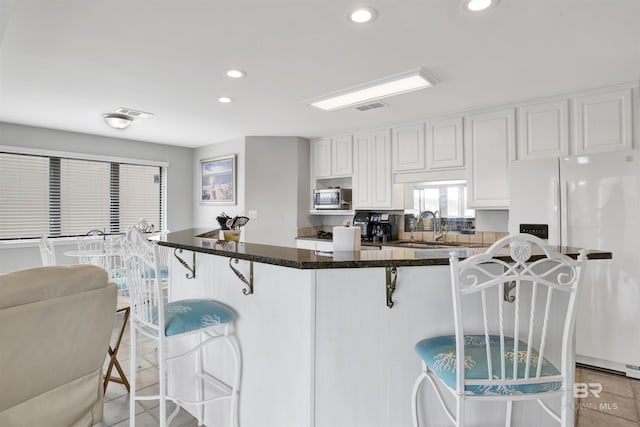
[372, 182]
[342, 156]
[445, 144]
[491, 143]
[408, 148]
[321, 158]
[543, 129]
[602, 122]
[332, 157]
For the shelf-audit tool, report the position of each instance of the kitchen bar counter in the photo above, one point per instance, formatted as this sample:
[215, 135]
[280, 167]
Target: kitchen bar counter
[307, 259]
[328, 340]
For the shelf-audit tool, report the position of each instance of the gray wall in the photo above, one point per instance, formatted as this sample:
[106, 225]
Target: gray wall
[179, 175]
[204, 215]
[277, 187]
[272, 179]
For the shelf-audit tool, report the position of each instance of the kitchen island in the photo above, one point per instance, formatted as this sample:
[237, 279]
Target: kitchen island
[325, 341]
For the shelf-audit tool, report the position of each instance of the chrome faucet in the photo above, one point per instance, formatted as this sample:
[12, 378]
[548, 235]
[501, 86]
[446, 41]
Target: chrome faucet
[438, 233]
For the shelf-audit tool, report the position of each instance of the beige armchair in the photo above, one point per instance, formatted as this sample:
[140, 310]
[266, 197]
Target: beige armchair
[55, 326]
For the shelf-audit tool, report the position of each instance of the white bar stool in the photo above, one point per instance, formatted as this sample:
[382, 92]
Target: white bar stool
[504, 357]
[207, 320]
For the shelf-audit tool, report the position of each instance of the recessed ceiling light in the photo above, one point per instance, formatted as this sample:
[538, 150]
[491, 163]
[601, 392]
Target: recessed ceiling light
[362, 15]
[377, 89]
[224, 100]
[236, 74]
[478, 5]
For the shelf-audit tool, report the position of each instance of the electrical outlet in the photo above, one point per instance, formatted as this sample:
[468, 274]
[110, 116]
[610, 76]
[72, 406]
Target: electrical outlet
[253, 214]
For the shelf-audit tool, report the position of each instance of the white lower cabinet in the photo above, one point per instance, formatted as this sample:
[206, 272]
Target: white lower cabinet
[490, 138]
[372, 181]
[315, 245]
[306, 244]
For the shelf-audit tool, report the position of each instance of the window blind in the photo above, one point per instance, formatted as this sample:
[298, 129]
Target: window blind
[24, 196]
[139, 195]
[59, 197]
[84, 196]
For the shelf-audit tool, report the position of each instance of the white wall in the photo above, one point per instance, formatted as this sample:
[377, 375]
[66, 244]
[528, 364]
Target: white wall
[204, 215]
[179, 175]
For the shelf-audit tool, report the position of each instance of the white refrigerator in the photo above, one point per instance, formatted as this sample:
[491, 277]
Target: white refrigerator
[591, 201]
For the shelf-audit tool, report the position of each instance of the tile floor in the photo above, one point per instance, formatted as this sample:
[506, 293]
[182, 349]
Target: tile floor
[116, 399]
[617, 406]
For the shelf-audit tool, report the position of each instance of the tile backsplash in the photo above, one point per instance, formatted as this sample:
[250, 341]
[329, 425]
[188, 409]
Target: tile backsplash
[479, 237]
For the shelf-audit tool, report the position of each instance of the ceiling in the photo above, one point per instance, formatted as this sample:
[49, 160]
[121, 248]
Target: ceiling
[64, 63]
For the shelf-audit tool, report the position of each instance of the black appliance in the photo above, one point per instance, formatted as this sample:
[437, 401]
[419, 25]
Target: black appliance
[361, 219]
[377, 227]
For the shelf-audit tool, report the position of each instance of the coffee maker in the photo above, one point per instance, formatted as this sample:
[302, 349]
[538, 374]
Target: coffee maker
[361, 219]
[377, 227]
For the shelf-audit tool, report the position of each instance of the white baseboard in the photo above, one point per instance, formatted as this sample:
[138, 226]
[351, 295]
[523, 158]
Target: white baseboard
[628, 370]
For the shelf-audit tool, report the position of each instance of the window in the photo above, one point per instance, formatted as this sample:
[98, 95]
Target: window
[448, 198]
[58, 197]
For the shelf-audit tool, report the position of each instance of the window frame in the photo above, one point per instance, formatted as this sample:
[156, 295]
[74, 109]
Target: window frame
[55, 156]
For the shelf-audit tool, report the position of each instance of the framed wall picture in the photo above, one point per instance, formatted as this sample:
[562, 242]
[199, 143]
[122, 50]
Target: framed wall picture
[218, 180]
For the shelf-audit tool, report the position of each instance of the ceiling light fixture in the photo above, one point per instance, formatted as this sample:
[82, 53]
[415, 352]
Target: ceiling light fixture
[118, 121]
[224, 100]
[377, 89]
[478, 5]
[236, 74]
[362, 15]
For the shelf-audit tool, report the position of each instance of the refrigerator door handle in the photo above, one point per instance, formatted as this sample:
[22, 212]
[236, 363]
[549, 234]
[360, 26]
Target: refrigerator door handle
[556, 230]
[564, 199]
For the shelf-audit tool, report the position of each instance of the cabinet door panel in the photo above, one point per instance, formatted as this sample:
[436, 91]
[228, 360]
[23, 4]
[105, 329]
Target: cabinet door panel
[543, 130]
[491, 141]
[408, 148]
[321, 152]
[362, 184]
[445, 145]
[372, 171]
[381, 170]
[603, 122]
[342, 156]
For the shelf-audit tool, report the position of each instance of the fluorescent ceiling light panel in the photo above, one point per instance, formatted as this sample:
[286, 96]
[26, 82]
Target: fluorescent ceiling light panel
[377, 89]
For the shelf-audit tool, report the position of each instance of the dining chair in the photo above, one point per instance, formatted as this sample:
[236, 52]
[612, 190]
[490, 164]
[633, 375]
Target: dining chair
[517, 285]
[93, 243]
[114, 262]
[205, 320]
[47, 252]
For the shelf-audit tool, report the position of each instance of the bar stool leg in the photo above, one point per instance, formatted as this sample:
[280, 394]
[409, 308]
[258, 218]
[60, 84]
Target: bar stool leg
[199, 381]
[234, 414]
[132, 375]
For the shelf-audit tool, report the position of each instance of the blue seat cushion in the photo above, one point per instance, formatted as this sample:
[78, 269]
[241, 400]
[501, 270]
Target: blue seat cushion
[192, 314]
[439, 354]
[121, 282]
[151, 273]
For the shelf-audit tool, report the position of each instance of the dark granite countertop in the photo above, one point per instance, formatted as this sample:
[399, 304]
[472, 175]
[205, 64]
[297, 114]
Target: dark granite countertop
[308, 259]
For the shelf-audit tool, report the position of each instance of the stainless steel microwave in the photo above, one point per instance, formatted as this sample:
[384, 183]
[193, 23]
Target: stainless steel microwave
[332, 198]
